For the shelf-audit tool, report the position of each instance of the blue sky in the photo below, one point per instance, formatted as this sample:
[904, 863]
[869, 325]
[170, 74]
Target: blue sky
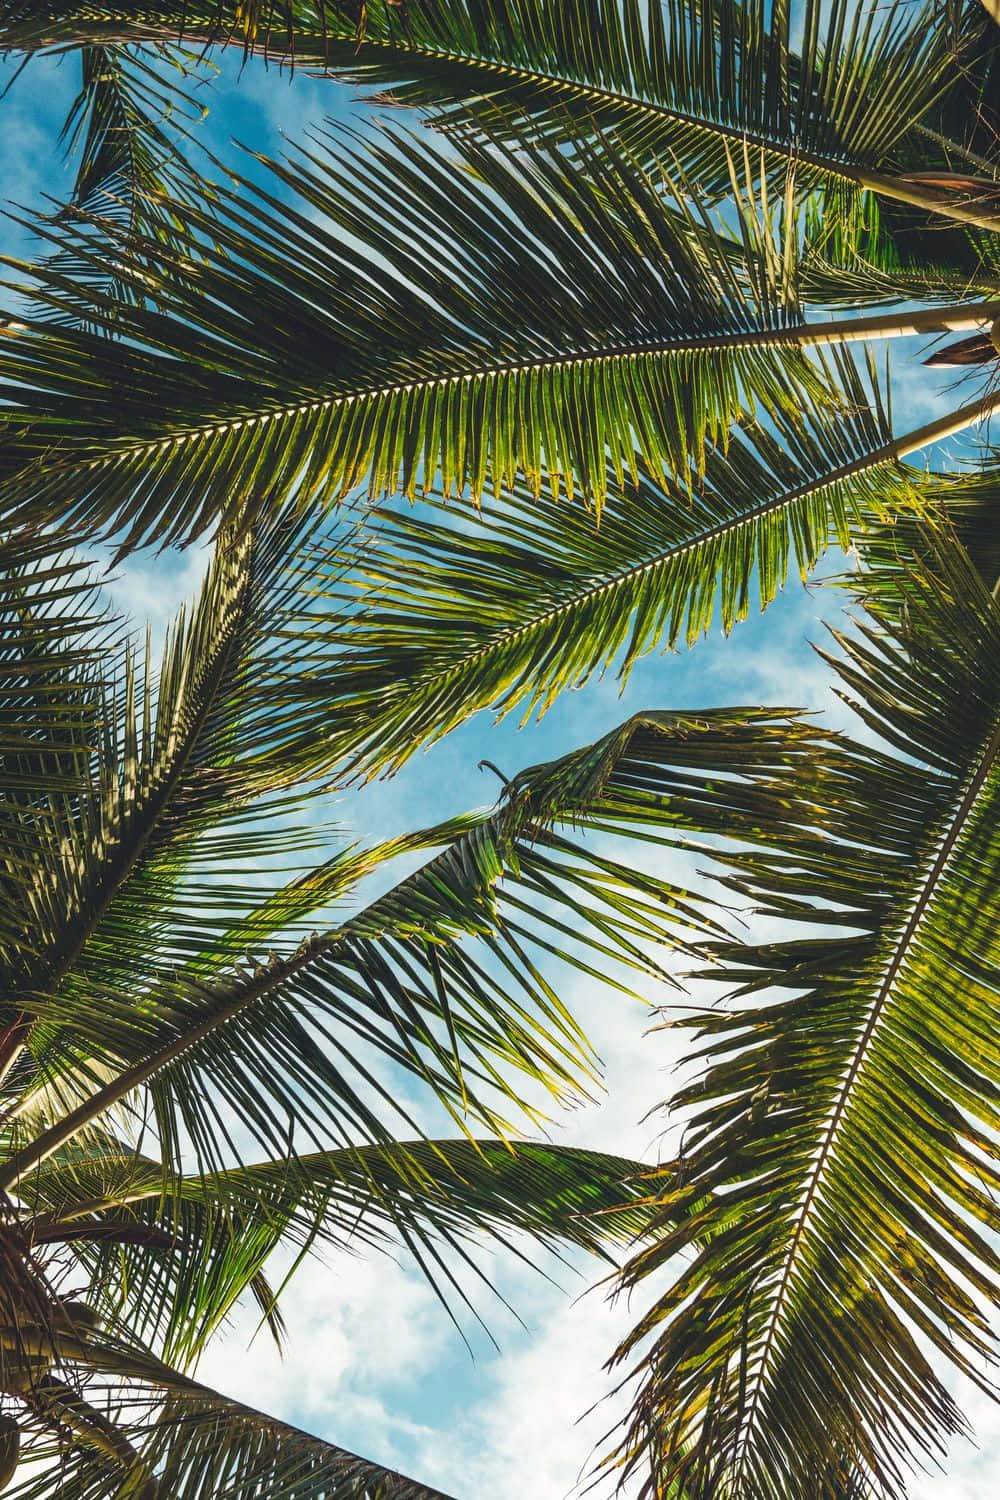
[373, 1364]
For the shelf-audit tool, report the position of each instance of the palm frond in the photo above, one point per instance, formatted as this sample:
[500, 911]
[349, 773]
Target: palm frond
[171, 1256]
[861, 252]
[837, 1180]
[680, 78]
[137, 1427]
[135, 802]
[440, 976]
[127, 163]
[830, 87]
[578, 317]
[451, 616]
[54, 640]
[102, 850]
[965, 501]
[262, 25]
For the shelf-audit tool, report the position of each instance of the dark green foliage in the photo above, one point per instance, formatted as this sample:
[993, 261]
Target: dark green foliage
[836, 1183]
[587, 300]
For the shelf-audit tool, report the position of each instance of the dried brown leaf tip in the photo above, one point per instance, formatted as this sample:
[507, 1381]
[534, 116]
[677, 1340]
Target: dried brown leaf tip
[978, 349]
[977, 189]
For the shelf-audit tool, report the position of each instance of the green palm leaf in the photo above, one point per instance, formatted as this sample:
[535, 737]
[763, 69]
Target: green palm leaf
[52, 634]
[439, 975]
[127, 163]
[99, 831]
[837, 1180]
[860, 252]
[140, 1428]
[171, 1256]
[451, 617]
[579, 317]
[834, 89]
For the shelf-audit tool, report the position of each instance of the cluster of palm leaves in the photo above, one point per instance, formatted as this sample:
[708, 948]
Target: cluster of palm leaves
[573, 364]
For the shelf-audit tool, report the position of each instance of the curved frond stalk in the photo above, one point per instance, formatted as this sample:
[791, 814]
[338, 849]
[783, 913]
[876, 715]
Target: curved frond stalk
[678, 79]
[838, 1177]
[440, 976]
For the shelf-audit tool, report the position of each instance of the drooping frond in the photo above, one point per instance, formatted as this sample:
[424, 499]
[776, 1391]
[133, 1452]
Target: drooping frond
[579, 319]
[837, 1181]
[137, 1427]
[172, 1255]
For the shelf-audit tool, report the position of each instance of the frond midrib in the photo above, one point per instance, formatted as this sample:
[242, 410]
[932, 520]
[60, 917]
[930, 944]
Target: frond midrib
[948, 841]
[708, 343]
[607, 583]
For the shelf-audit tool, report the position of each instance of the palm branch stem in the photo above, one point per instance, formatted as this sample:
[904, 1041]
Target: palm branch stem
[910, 193]
[307, 48]
[11, 1043]
[931, 432]
[954, 318]
[949, 839]
[54, 1401]
[957, 318]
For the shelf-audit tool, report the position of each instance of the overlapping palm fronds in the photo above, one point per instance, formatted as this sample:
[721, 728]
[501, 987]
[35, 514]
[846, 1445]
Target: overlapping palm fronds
[533, 598]
[172, 1255]
[143, 1023]
[836, 1186]
[601, 277]
[100, 865]
[839, 91]
[582, 320]
[578, 314]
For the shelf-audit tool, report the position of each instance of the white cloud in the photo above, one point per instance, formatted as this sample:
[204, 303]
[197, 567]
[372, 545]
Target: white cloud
[537, 1432]
[150, 587]
[362, 1333]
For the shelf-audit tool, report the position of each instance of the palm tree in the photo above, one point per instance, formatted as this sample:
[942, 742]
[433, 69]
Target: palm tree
[627, 268]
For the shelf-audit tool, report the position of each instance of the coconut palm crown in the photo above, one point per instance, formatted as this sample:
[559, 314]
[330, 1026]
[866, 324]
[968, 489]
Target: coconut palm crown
[569, 363]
